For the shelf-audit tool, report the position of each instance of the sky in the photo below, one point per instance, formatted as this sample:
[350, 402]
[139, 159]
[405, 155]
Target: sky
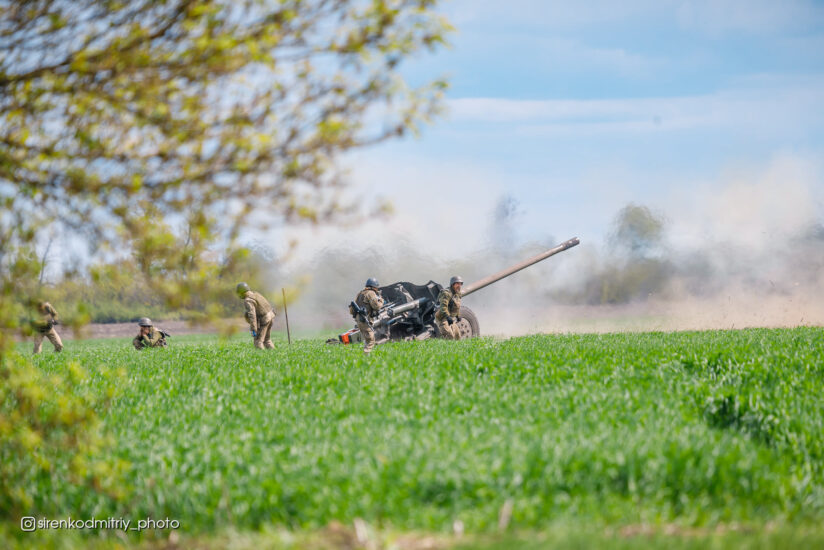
[709, 112]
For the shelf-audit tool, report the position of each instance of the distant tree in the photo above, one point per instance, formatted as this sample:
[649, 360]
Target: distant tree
[637, 230]
[805, 253]
[504, 217]
[636, 266]
[130, 120]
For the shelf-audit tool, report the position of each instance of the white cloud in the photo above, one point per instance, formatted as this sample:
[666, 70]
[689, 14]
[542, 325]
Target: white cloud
[794, 106]
[575, 55]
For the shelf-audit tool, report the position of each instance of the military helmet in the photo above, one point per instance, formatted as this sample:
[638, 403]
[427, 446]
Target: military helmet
[373, 282]
[242, 288]
[455, 279]
[144, 322]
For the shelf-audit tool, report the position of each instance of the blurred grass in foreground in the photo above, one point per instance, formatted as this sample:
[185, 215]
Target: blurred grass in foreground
[691, 434]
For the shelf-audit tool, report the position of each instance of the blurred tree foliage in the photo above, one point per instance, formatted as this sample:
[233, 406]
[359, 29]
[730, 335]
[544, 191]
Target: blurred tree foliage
[133, 123]
[119, 291]
[637, 231]
[50, 427]
[155, 130]
[636, 266]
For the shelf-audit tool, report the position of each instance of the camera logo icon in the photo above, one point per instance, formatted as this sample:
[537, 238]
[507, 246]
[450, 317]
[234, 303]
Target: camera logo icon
[28, 524]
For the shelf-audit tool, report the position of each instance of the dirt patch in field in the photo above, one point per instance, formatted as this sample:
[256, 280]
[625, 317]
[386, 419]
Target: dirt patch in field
[732, 311]
[130, 330]
[518, 319]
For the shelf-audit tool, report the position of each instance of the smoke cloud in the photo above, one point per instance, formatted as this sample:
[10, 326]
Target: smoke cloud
[744, 251]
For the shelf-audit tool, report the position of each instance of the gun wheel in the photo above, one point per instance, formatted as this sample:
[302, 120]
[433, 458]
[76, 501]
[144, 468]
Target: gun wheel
[468, 324]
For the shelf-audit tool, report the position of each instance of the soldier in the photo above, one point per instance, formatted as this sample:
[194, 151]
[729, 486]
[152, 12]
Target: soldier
[371, 301]
[449, 309]
[259, 315]
[44, 327]
[149, 337]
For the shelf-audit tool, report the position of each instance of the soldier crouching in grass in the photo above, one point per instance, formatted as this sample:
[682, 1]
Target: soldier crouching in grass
[449, 309]
[370, 302]
[259, 315]
[44, 327]
[149, 337]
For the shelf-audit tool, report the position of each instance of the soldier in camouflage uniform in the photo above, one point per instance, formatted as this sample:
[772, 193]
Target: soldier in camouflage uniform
[449, 309]
[149, 336]
[371, 300]
[44, 327]
[259, 315]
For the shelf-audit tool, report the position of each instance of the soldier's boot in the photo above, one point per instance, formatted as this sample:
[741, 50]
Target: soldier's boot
[38, 343]
[456, 331]
[369, 342]
[267, 336]
[446, 330]
[259, 343]
[54, 338]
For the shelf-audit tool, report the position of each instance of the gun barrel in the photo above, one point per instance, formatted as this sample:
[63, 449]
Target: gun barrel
[486, 281]
[414, 304]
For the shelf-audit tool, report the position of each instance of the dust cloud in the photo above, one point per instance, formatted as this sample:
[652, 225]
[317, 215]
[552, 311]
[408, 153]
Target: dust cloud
[745, 252]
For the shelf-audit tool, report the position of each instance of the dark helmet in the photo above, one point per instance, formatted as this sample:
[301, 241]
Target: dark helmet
[144, 322]
[242, 288]
[455, 279]
[373, 282]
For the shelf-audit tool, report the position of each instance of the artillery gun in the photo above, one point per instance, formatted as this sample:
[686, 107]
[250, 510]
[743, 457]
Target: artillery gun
[409, 309]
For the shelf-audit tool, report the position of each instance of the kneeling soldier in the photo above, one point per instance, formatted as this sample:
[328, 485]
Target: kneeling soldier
[44, 327]
[449, 309]
[370, 300]
[259, 315]
[149, 336]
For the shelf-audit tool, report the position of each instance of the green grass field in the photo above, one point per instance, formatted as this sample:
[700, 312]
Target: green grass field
[676, 440]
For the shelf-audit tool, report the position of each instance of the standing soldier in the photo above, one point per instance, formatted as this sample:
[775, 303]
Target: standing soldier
[44, 327]
[369, 300]
[149, 337]
[449, 309]
[259, 315]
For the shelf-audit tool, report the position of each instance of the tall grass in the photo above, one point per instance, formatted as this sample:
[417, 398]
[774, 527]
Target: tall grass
[694, 428]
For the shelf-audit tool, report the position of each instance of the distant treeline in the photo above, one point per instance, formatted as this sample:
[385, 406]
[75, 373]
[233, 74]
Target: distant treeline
[637, 263]
[120, 292]
[640, 263]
